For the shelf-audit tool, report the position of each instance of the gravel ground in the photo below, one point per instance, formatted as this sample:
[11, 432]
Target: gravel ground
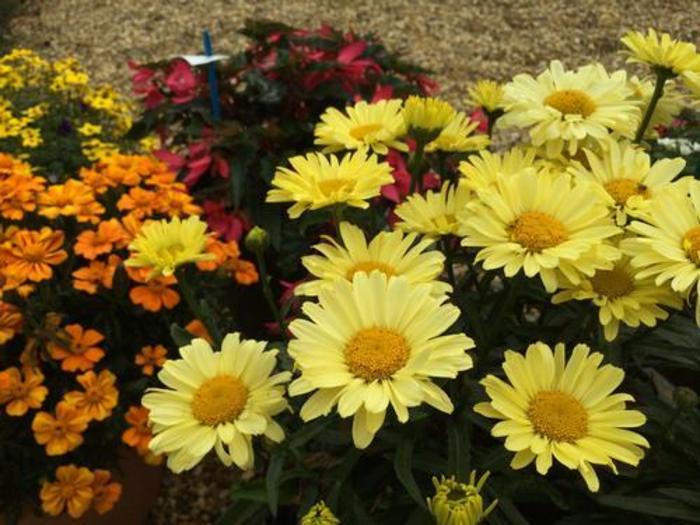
[459, 40]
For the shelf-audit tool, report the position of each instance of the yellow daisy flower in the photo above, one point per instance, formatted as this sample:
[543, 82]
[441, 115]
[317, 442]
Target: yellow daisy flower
[379, 125]
[391, 253]
[661, 51]
[457, 136]
[485, 168]
[624, 175]
[552, 408]
[427, 114]
[486, 94]
[457, 503]
[622, 298]
[435, 213]
[372, 343]
[561, 108]
[216, 400]
[667, 108]
[164, 245]
[541, 224]
[667, 245]
[316, 181]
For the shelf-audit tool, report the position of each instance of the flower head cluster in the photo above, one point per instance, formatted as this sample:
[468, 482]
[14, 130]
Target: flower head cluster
[77, 489]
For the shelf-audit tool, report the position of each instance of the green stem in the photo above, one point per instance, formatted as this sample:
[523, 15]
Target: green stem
[267, 292]
[338, 211]
[662, 75]
[445, 241]
[415, 167]
[184, 283]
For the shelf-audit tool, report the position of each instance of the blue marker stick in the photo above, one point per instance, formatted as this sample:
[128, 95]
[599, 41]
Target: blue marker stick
[213, 85]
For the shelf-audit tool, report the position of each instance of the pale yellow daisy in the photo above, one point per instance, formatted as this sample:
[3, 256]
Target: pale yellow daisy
[317, 181]
[661, 51]
[435, 213]
[379, 125]
[622, 298]
[216, 400]
[486, 94]
[374, 342]
[485, 168]
[164, 245]
[667, 242]
[391, 253]
[542, 224]
[427, 114]
[624, 174]
[457, 136]
[552, 408]
[561, 108]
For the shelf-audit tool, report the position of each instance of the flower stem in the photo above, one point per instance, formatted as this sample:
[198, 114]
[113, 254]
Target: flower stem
[445, 241]
[662, 75]
[415, 167]
[183, 276]
[267, 292]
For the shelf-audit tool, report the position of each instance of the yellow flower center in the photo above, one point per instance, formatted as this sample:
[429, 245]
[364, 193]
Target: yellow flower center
[571, 102]
[218, 400]
[360, 132]
[558, 416]
[691, 244]
[623, 189]
[536, 231]
[331, 186]
[368, 267]
[612, 283]
[376, 353]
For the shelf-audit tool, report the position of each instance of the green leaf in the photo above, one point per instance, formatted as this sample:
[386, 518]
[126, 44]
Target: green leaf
[179, 335]
[651, 506]
[273, 479]
[458, 445]
[240, 513]
[402, 467]
[308, 432]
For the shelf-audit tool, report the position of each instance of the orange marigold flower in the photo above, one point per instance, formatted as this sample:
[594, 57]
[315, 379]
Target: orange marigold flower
[127, 169]
[91, 243]
[106, 494]
[222, 251]
[153, 294]
[176, 203]
[96, 180]
[138, 202]
[18, 188]
[61, 433]
[96, 273]
[79, 352]
[10, 321]
[245, 272]
[72, 490]
[151, 357]
[32, 253]
[197, 329]
[23, 390]
[74, 198]
[131, 225]
[138, 435]
[99, 396]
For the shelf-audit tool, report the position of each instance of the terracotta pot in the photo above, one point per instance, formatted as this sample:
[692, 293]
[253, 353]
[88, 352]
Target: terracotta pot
[140, 488]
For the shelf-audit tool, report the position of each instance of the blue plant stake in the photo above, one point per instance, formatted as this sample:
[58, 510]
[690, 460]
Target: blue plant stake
[213, 85]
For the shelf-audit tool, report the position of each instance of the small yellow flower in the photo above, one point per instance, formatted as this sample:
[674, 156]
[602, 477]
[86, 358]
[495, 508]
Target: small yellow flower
[457, 136]
[319, 514]
[31, 138]
[317, 181]
[435, 213]
[427, 114]
[89, 129]
[457, 503]
[486, 94]
[164, 245]
[378, 126]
